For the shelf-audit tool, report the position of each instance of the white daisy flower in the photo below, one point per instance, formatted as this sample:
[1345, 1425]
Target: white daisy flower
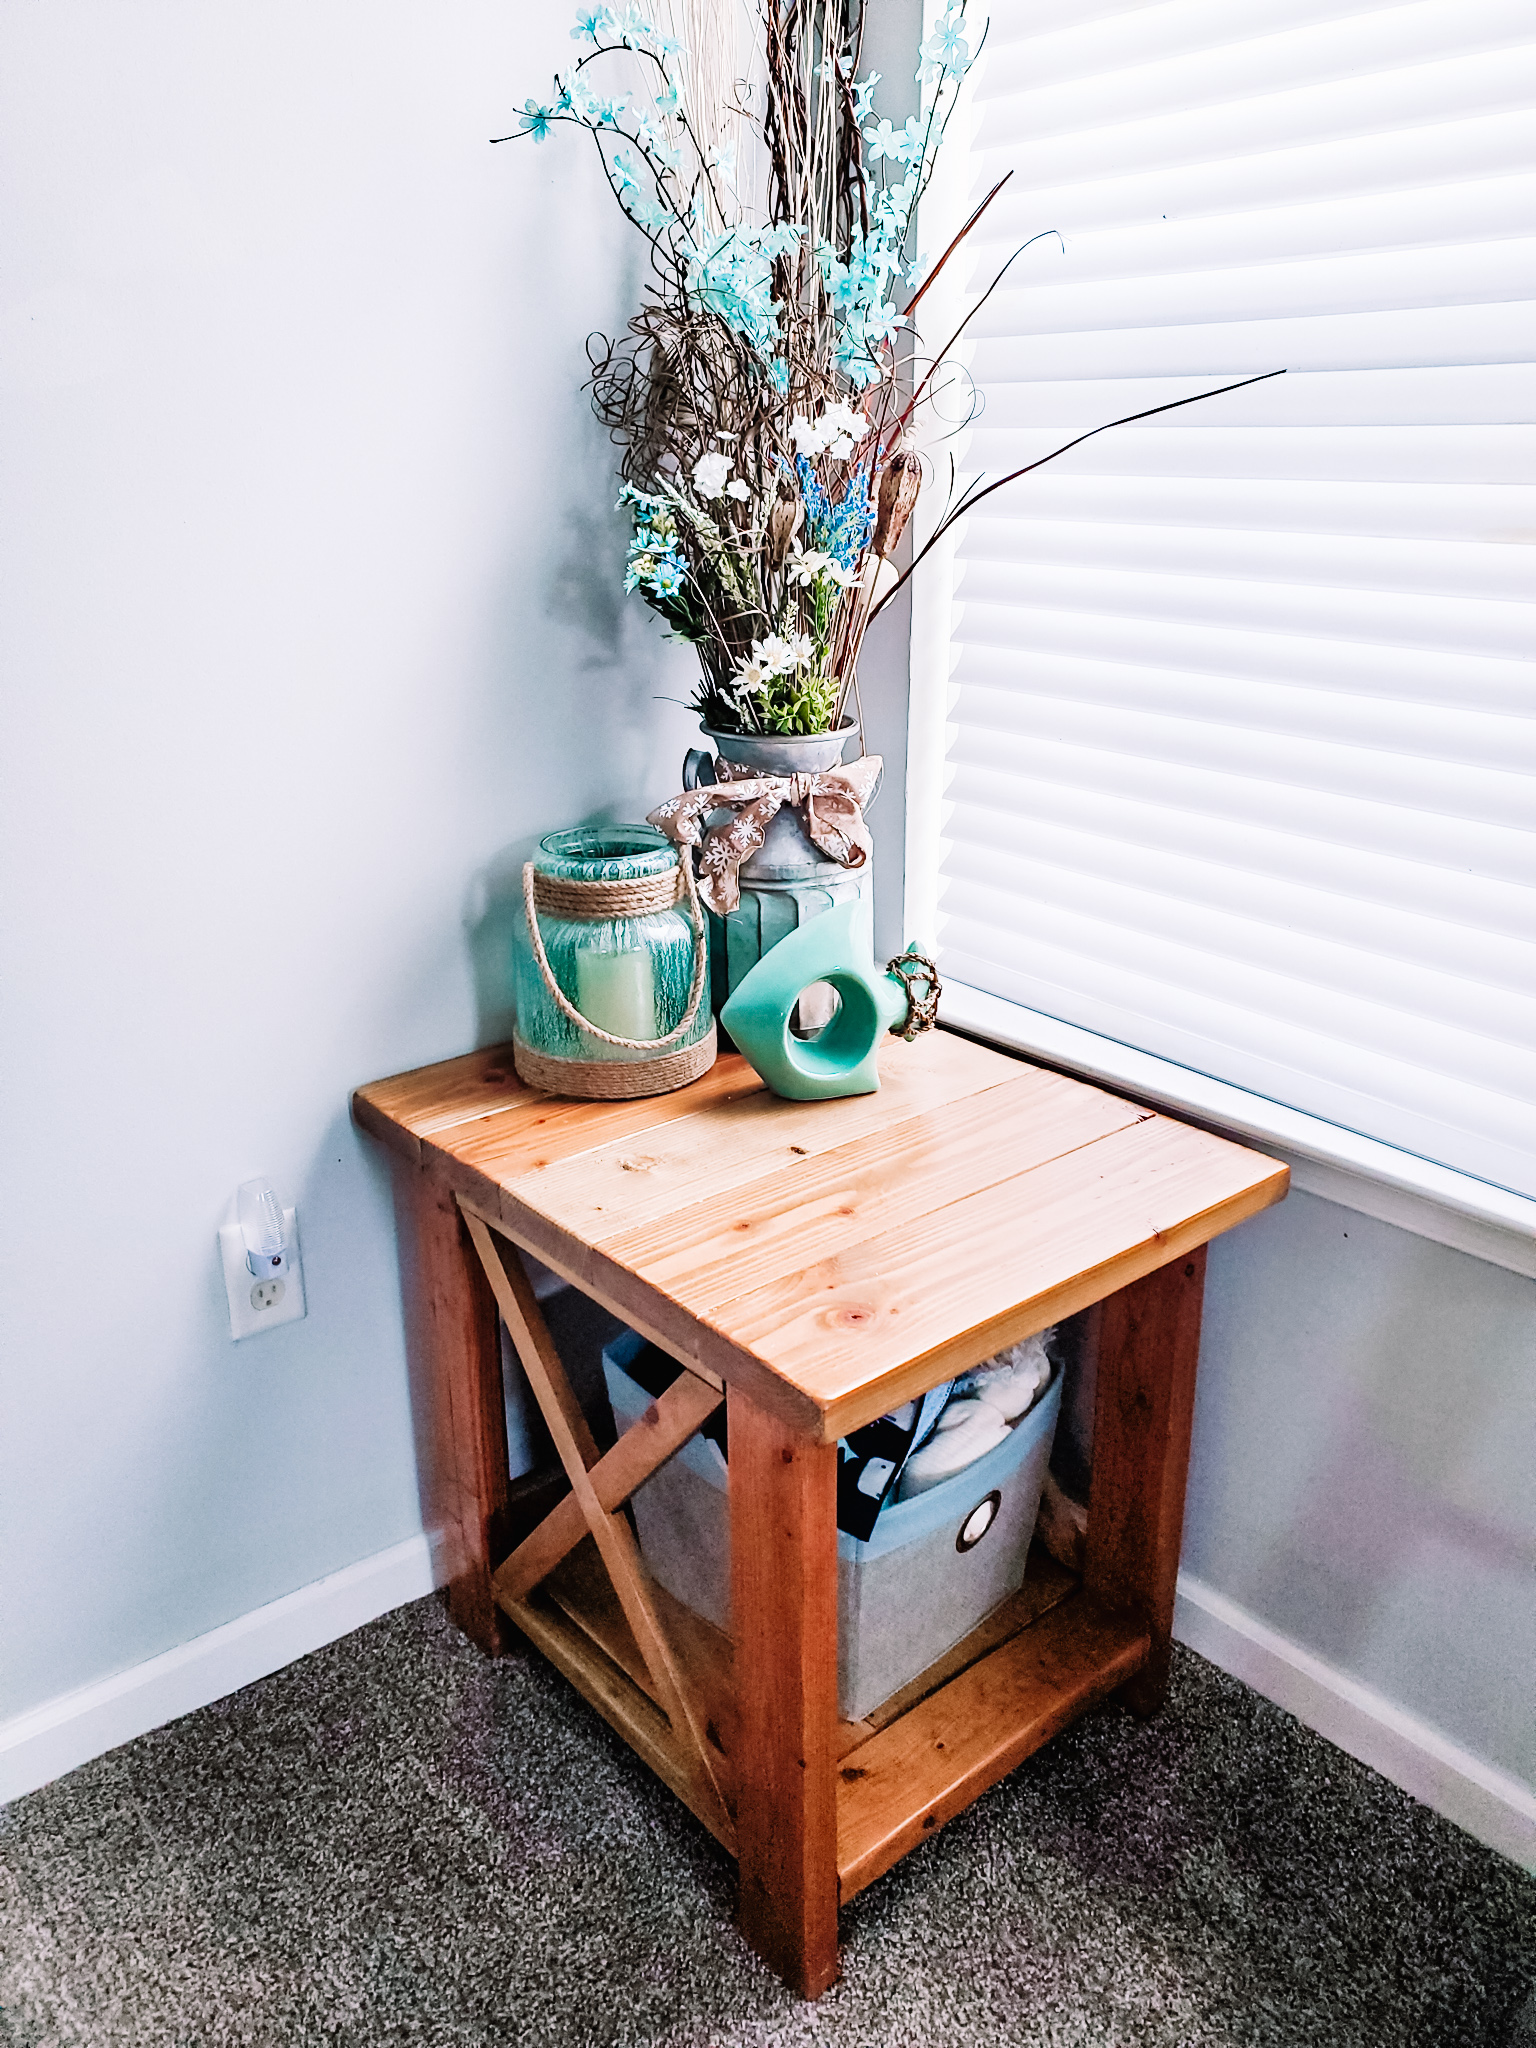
[710, 473]
[806, 435]
[841, 423]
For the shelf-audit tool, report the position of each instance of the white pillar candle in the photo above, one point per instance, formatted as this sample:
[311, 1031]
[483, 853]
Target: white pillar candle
[617, 992]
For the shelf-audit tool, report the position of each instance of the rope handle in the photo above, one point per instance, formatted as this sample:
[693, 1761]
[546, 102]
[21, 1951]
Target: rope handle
[569, 1010]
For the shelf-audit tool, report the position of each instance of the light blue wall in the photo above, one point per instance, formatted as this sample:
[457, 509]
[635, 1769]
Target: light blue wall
[1364, 1468]
[312, 623]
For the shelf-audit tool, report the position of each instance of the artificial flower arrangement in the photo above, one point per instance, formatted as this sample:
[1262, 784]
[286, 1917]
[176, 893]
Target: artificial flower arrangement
[757, 394]
[762, 403]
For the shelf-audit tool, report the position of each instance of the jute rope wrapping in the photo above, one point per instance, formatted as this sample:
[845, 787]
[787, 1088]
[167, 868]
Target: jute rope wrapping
[616, 1080]
[595, 900]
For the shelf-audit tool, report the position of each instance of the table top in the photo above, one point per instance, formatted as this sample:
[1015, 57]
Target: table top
[834, 1258]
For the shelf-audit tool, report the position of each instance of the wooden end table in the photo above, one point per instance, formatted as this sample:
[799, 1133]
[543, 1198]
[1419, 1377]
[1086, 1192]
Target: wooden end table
[812, 1264]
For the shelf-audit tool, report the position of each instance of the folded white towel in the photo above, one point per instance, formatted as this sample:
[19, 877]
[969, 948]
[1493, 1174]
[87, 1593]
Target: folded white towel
[953, 1445]
[1014, 1380]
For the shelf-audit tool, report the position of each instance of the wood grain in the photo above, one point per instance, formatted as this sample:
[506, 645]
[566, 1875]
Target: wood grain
[578, 1453]
[664, 1428]
[881, 1320]
[537, 1131]
[783, 1500]
[712, 1252]
[1148, 1348]
[825, 1262]
[618, 1187]
[453, 1352]
[840, 1296]
[706, 1658]
[582, 1589]
[917, 1774]
[408, 1107]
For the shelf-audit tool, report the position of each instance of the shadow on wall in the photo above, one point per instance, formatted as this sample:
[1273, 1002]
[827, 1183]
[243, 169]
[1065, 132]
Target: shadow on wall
[586, 585]
[597, 710]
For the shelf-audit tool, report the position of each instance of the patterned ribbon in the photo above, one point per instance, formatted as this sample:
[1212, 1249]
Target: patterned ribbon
[831, 802]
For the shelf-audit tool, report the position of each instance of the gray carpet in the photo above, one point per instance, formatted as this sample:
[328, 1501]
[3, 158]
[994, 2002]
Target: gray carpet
[396, 1840]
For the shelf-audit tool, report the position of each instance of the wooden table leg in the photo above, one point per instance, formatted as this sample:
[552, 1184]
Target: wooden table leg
[783, 1490]
[453, 1344]
[1148, 1345]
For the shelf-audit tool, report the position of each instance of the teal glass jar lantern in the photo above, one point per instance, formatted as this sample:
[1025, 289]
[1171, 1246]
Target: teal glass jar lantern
[611, 967]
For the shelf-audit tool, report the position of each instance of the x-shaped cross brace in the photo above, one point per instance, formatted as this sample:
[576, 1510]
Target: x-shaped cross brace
[599, 1489]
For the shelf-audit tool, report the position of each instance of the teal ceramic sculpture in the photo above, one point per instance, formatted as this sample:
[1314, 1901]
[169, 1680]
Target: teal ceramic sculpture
[836, 948]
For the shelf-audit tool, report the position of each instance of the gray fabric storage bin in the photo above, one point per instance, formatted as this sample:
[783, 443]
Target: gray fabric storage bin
[905, 1596]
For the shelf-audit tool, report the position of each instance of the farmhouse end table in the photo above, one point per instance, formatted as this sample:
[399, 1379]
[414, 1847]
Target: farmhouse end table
[813, 1265]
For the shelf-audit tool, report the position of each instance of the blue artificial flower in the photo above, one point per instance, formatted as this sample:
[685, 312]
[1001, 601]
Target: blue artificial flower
[648, 507]
[894, 205]
[863, 93]
[882, 141]
[818, 506]
[842, 530]
[536, 120]
[881, 322]
[780, 241]
[883, 260]
[857, 365]
[667, 579]
[839, 281]
[626, 171]
[592, 23]
[946, 54]
[577, 97]
[910, 145]
[733, 277]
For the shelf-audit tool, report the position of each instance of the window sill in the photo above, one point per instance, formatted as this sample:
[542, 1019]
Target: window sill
[1340, 1166]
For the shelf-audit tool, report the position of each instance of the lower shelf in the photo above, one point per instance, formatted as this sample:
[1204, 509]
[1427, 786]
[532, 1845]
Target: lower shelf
[921, 1770]
[1036, 1663]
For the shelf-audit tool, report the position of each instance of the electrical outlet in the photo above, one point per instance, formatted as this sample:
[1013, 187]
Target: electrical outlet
[257, 1305]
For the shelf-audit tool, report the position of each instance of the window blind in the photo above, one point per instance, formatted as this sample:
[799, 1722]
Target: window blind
[1241, 764]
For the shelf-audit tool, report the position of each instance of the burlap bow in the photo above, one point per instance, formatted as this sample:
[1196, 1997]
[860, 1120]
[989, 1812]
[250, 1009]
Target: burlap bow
[832, 803]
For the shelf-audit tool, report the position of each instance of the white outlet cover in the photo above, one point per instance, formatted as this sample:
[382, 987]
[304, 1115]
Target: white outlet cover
[246, 1319]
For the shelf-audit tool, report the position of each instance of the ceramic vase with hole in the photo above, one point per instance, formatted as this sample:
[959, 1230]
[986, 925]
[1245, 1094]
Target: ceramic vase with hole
[622, 961]
[789, 880]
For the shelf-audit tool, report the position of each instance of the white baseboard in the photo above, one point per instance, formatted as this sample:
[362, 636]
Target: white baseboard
[63, 1733]
[1492, 1806]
